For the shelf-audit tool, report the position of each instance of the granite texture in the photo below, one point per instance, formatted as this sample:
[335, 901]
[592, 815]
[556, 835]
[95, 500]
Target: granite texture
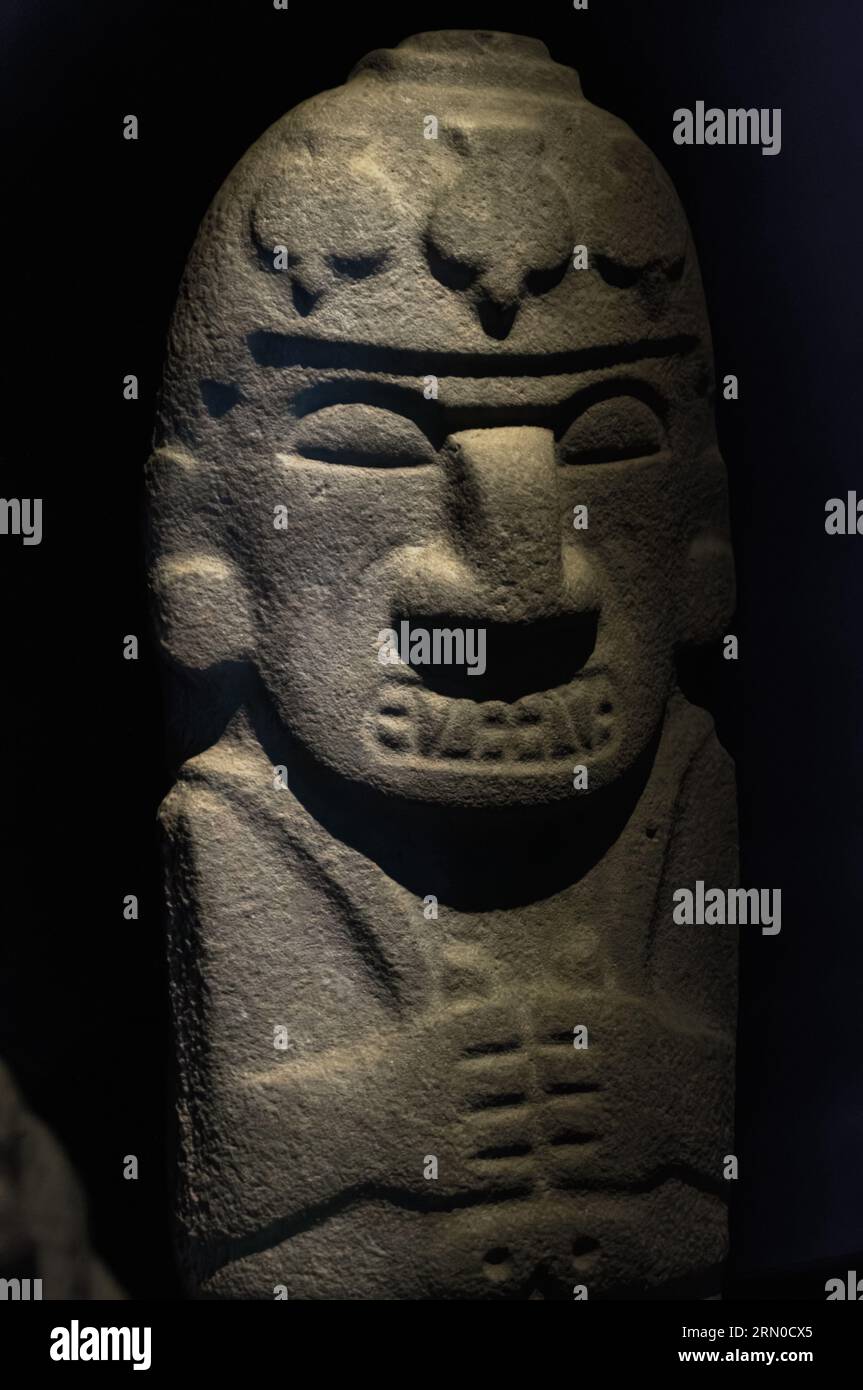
[399, 425]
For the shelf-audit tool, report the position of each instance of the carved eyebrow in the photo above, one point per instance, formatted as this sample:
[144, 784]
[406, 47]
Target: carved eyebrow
[560, 416]
[399, 400]
[270, 349]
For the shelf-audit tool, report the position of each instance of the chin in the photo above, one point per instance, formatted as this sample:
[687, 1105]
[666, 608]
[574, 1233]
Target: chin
[480, 787]
[418, 745]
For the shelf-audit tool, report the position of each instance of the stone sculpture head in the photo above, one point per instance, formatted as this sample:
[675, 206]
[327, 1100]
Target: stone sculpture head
[431, 386]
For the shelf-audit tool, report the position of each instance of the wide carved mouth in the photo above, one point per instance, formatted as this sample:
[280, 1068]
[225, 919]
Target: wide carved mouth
[573, 720]
[517, 659]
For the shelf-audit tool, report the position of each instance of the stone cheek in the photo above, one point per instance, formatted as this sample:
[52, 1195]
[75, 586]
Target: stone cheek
[436, 1034]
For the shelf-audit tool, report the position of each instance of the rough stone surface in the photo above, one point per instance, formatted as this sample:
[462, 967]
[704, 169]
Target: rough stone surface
[411, 1036]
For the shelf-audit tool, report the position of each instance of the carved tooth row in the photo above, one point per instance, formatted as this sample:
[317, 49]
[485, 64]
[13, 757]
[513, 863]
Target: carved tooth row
[555, 725]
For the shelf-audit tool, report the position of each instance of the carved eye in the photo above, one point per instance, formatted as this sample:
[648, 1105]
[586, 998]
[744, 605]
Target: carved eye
[363, 436]
[621, 427]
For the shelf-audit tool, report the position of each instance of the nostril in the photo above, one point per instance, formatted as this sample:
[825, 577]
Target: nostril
[496, 319]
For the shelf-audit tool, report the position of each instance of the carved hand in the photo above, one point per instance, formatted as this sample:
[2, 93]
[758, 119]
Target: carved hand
[643, 1096]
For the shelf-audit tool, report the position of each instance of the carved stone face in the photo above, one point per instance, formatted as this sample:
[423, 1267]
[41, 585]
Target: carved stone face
[477, 428]
[458, 518]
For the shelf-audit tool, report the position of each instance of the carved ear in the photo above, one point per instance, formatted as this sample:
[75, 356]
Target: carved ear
[709, 590]
[203, 615]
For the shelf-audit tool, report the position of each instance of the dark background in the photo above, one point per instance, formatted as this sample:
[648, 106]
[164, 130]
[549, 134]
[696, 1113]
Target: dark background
[99, 229]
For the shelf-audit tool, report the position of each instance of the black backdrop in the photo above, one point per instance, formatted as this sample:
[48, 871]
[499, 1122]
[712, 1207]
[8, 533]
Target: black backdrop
[99, 229]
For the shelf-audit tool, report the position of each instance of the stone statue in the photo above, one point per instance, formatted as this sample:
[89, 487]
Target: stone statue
[440, 366]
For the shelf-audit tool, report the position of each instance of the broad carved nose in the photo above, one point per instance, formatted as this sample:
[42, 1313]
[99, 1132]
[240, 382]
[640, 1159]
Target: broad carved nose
[505, 519]
[500, 563]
